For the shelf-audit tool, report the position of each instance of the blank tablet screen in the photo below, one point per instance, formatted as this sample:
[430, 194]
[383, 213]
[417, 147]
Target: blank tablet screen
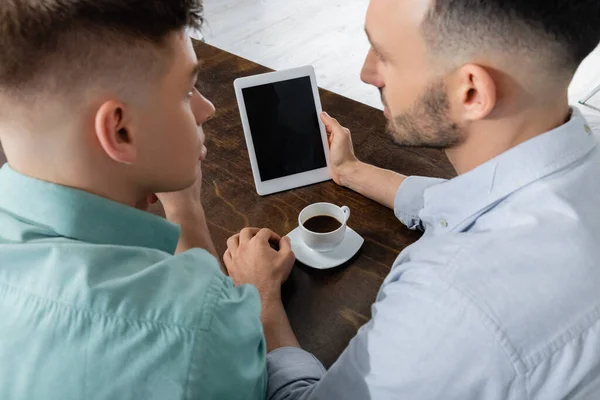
[285, 129]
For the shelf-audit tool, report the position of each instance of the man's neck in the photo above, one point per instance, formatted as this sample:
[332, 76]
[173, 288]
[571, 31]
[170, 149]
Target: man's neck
[71, 170]
[491, 138]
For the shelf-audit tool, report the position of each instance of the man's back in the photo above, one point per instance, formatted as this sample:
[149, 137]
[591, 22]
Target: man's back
[94, 305]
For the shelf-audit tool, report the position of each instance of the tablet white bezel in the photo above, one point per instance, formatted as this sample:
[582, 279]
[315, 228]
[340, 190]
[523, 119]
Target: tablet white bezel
[293, 181]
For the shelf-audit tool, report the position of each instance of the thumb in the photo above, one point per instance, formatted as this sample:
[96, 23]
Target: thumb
[285, 245]
[330, 123]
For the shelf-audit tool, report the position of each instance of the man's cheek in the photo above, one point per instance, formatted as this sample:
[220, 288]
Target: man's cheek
[201, 134]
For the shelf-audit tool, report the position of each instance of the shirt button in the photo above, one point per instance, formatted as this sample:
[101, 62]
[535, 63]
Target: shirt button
[444, 223]
[588, 129]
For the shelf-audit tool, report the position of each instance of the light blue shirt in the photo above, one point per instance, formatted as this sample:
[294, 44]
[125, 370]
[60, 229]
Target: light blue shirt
[499, 300]
[94, 305]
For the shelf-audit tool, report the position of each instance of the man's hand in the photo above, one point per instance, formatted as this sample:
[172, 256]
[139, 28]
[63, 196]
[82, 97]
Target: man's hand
[346, 170]
[184, 200]
[342, 158]
[184, 208]
[185, 203]
[251, 259]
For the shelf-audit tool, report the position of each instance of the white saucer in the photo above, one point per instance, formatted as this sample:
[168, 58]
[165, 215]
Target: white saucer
[329, 259]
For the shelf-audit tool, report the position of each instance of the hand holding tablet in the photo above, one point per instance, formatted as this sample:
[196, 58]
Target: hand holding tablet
[286, 139]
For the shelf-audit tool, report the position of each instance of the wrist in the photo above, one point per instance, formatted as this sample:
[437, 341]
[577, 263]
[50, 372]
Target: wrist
[276, 327]
[270, 297]
[192, 213]
[271, 309]
[349, 172]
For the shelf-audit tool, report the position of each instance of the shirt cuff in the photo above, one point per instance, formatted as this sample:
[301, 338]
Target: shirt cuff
[291, 369]
[410, 199]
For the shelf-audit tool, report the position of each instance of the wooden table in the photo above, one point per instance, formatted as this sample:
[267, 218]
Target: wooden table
[326, 308]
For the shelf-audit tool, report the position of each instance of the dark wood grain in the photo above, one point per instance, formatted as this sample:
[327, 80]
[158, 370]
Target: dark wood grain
[326, 308]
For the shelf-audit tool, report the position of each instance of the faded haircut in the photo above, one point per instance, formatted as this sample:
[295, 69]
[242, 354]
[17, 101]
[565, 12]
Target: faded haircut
[556, 34]
[68, 45]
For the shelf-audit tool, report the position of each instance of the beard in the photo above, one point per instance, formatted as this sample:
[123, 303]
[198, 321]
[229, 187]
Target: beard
[427, 123]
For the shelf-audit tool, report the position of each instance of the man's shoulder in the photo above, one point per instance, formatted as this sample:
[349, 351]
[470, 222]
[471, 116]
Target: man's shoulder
[534, 281]
[126, 284]
[186, 291]
[183, 290]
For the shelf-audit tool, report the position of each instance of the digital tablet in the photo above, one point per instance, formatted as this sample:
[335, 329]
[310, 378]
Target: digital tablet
[286, 139]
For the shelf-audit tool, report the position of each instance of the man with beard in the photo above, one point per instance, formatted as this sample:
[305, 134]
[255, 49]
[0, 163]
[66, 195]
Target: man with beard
[499, 298]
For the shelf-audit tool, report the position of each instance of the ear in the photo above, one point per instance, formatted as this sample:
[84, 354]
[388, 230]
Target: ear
[114, 132]
[475, 91]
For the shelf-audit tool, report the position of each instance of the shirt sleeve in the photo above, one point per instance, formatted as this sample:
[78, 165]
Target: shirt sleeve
[291, 362]
[410, 199]
[231, 358]
[425, 342]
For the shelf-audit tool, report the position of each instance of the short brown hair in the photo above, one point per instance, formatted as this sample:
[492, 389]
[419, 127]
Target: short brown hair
[54, 44]
[560, 33]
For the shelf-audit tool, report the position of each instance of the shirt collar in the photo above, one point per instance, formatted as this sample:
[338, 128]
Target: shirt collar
[451, 205]
[82, 216]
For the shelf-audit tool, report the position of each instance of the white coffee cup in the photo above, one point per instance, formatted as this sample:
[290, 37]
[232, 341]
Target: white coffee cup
[323, 241]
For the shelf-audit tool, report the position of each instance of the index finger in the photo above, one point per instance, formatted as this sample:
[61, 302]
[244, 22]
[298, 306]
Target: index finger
[268, 235]
[285, 247]
[247, 234]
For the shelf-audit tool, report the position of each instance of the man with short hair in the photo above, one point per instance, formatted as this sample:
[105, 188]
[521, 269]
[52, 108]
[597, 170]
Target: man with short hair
[499, 299]
[99, 300]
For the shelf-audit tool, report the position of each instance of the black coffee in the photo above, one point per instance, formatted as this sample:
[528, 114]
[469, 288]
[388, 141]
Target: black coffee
[322, 224]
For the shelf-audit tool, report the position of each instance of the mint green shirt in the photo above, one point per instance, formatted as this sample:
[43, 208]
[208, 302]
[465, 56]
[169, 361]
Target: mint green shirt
[94, 305]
